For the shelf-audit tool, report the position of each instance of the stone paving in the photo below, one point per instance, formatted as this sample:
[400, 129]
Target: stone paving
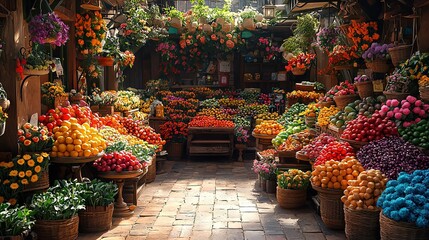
[213, 199]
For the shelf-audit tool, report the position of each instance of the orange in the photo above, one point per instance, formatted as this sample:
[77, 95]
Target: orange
[61, 139]
[64, 129]
[74, 154]
[66, 124]
[77, 142]
[60, 154]
[58, 134]
[73, 120]
[78, 148]
[54, 148]
[80, 154]
[62, 148]
[53, 154]
[87, 152]
[55, 129]
[70, 147]
[69, 140]
[66, 154]
[86, 146]
[94, 151]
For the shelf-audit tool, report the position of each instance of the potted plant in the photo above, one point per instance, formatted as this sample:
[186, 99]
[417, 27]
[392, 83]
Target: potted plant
[328, 37]
[267, 175]
[306, 28]
[90, 33]
[291, 47]
[48, 28]
[376, 57]
[53, 95]
[342, 57]
[364, 86]
[175, 132]
[56, 211]
[38, 62]
[34, 139]
[299, 64]
[397, 87]
[292, 188]
[110, 53]
[248, 18]
[15, 222]
[241, 138]
[99, 198]
[175, 18]
[30, 171]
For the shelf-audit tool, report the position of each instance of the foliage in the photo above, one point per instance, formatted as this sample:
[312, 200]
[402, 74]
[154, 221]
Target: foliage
[306, 27]
[293, 45]
[38, 58]
[133, 34]
[248, 12]
[98, 193]
[172, 12]
[14, 221]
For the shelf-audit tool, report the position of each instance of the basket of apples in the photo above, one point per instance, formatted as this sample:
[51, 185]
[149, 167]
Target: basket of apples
[120, 163]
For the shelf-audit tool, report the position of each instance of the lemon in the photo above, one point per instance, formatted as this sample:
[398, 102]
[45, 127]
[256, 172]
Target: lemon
[66, 124]
[78, 148]
[87, 153]
[86, 126]
[73, 120]
[64, 129]
[66, 154]
[77, 142]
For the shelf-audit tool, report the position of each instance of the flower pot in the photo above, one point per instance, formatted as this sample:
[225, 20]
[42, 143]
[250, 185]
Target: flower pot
[4, 104]
[331, 207]
[35, 72]
[96, 219]
[240, 147]
[393, 230]
[356, 220]
[365, 89]
[291, 198]
[248, 24]
[18, 237]
[378, 66]
[298, 71]
[263, 184]
[342, 101]
[175, 150]
[105, 61]
[2, 128]
[175, 22]
[57, 229]
[395, 95]
[271, 186]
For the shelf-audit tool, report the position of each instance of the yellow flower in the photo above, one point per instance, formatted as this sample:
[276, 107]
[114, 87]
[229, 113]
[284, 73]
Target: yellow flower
[34, 178]
[26, 157]
[13, 173]
[28, 173]
[21, 174]
[39, 159]
[5, 182]
[14, 186]
[24, 181]
[30, 163]
[37, 169]
[21, 161]
[45, 155]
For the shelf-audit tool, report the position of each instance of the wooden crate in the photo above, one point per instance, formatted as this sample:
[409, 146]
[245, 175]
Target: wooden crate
[210, 141]
[156, 122]
[106, 110]
[263, 142]
[128, 113]
[287, 160]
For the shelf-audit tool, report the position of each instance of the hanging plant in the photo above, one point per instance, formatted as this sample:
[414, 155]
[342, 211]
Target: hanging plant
[48, 28]
[90, 32]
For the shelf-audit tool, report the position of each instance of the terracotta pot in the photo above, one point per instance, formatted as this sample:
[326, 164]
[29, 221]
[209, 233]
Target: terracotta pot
[105, 61]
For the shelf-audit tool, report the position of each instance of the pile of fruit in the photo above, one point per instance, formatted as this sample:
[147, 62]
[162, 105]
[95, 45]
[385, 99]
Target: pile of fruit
[54, 117]
[334, 151]
[304, 96]
[210, 103]
[231, 103]
[216, 113]
[268, 153]
[415, 67]
[145, 133]
[75, 140]
[366, 107]
[241, 121]
[187, 107]
[406, 199]
[127, 101]
[203, 92]
[267, 116]
[336, 174]
[204, 121]
[417, 134]
[325, 114]
[344, 88]
[142, 151]
[114, 122]
[292, 114]
[145, 105]
[118, 161]
[313, 149]
[294, 127]
[311, 111]
[365, 129]
[364, 192]
[296, 142]
[252, 109]
[268, 127]
[405, 113]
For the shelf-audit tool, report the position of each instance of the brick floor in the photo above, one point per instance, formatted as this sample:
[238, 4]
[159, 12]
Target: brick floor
[213, 200]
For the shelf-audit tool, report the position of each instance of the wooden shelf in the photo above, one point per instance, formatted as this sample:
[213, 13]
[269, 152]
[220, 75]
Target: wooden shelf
[210, 141]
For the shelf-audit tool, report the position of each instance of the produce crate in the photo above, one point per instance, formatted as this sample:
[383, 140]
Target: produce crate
[128, 113]
[210, 141]
[303, 87]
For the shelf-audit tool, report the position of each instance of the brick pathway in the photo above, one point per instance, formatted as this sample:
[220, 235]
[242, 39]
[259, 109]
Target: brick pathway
[213, 200]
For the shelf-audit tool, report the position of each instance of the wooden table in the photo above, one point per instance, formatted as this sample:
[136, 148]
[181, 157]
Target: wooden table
[76, 163]
[210, 141]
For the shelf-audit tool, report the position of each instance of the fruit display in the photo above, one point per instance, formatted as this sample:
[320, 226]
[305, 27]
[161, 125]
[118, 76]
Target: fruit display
[366, 106]
[325, 114]
[304, 96]
[204, 121]
[391, 156]
[313, 149]
[252, 109]
[406, 199]
[268, 127]
[336, 174]
[75, 140]
[187, 107]
[202, 93]
[216, 113]
[364, 192]
[294, 127]
[54, 117]
[145, 133]
[126, 101]
[417, 134]
[145, 104]
[231, 103]
[311, 111]
[415, 67]
[250, 96]
[292, 114]
[241, 121]
[268, 154]
[114, 122]
[294, 179]
[118, 162]
[344, 88]
[366, 129]
[334, 151]
[406, 112]
[296, 142]
[210, 103]
[266, 116]
[142, 151]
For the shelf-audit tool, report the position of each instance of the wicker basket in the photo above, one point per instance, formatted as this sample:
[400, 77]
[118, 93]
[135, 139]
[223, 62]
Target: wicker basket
[378, 66]
[326, 104]
[96, 219]
[290, 198]
[365, 89]
[395, 95]
[358, 220]
[399, 54]
[393, 230]
[42, 183]
[298, 71]
[343, 101]
[57, 229]
[151, 172]
[424, 93]
[331, 207]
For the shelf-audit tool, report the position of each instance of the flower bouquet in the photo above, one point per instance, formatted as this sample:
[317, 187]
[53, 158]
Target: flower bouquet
[51, 92]
[328, 37]
[342, 57]
[48, 28]
[364, 86]
[34, 139]
[127, 59]
[90, 32]
[241, 135]
[298, 65]
[108, 98]
[397, 86]
[362, 35]
[126, 101]
[269, 51]
[376, 57]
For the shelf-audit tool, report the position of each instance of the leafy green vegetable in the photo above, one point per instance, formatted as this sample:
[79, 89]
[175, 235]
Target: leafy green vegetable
[98, 193]
[14, 221]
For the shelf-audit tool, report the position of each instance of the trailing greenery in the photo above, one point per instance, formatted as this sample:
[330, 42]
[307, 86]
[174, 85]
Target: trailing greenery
[14, 221]
[98, 193]
[201, 10]
[248, 12]
[224, 12]
[62, 201]
[306, 27]
[293, 45]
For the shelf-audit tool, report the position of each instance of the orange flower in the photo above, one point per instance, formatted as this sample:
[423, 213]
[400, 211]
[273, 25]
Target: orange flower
[213, 37]
[375, 36]
[12, 201]
[230, 44]
[221, 40]
[365, 47]
[203, 40]
[27, 142]
[80, 42]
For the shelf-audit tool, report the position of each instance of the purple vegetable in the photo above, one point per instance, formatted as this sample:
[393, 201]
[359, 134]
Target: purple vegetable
[391, 156]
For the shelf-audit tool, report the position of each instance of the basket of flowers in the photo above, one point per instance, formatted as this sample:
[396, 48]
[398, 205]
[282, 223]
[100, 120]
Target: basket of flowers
[292, 188]
[397, 87]
[364, 86]
[299, 64]
[376, 58]
[48, 28]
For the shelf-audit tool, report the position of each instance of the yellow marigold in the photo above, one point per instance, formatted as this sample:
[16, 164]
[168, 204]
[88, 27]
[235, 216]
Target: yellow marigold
[28, 173]
[34, 178]
[13, 173]
[10, 164]
[37, 169]
[39, 159]
[26, 157]
[21, 174]
[45, 155]
[14, 186]
[21, 161]
[30, 163]
[24, 181]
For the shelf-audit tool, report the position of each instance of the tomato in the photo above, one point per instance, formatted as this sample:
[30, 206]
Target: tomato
[42, 118]
[50, 126]
[65, 116]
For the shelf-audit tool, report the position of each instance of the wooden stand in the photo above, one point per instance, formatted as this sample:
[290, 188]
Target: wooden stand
[133, 188]
[210, 141]
[287, 159]
[76, 164]
[121, 208]
[240, 148]
[155, 122]
[263, 142]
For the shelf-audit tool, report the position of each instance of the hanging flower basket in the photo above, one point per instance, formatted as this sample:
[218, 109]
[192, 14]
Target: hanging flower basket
[298, 71]
[48, 28]
[105, 61]
[378, 66]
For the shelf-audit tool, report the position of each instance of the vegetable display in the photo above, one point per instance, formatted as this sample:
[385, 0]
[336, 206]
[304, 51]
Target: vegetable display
[391, 156]
[364, 192]
[325, 114]
[313, 149]
[406, 199]
[405, 113]
[417, 134]
[344, 88]
[334, 151]
[296, 142]
[292, 114]
[294, 127]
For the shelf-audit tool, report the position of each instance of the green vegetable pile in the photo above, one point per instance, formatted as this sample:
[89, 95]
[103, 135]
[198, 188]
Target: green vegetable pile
[417, 134]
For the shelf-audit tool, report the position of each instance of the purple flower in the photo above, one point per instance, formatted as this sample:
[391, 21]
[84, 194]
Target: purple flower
[48, 28]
